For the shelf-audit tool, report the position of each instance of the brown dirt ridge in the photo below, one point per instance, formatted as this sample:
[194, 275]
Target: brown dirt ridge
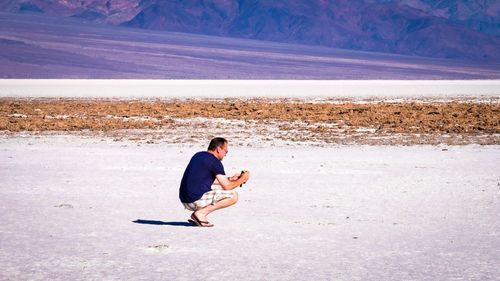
[321, 122]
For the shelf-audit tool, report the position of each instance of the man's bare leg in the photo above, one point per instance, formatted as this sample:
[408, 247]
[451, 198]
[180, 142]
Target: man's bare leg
[202, 214]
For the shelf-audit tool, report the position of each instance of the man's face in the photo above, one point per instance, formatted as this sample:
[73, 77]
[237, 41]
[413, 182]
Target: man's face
[221, 151]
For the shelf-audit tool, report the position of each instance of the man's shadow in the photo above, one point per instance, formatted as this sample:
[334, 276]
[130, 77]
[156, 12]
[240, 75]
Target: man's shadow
[171, 223]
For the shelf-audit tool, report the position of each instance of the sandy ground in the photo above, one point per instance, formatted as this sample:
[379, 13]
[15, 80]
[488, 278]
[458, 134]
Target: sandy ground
[249, 121]
[82, 208]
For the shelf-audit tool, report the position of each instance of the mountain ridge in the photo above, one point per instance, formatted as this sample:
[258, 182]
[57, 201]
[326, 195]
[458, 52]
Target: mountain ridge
[37, 46]
[460, 29]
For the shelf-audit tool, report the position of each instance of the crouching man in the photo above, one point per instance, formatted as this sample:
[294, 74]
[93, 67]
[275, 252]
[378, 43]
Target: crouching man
[205, 186]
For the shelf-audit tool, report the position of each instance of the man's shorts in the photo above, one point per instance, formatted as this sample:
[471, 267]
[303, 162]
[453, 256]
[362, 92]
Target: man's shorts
[209, 198]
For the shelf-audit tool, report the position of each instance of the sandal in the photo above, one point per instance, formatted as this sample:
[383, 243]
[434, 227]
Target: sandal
[197, 221]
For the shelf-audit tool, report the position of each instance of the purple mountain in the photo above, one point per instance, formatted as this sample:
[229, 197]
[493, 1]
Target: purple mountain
[43, 46]
[483, 16]
[104, 11]
[460, 29]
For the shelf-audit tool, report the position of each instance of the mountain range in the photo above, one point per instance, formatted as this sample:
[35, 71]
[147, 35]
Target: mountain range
[460, 29]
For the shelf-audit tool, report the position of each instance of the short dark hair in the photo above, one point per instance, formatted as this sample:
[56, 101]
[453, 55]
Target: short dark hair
[216, 142]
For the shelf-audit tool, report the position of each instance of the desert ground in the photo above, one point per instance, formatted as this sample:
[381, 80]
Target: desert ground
[249, 121]
[341, 189]
[85, 208]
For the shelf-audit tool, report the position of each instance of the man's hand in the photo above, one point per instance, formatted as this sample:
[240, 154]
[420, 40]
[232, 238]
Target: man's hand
[245, 175]
[234, 177]
[229, 183]
[239, 175]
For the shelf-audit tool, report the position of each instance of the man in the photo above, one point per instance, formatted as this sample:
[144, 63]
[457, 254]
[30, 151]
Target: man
[205, 186]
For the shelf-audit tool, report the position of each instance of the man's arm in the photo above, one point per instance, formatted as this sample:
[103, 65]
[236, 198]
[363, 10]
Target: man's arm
[233, 178]
[229, 183]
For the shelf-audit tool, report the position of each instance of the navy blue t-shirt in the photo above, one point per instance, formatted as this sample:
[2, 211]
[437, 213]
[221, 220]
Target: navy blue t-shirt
[199, 176]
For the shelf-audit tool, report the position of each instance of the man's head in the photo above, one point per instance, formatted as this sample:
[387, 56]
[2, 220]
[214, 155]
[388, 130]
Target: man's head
[218, 147]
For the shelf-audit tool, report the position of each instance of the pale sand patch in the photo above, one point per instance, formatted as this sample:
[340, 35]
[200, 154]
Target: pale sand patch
[191, 88]
[68, 206]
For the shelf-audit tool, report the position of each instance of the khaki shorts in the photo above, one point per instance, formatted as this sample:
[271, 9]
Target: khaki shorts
[209, 198]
